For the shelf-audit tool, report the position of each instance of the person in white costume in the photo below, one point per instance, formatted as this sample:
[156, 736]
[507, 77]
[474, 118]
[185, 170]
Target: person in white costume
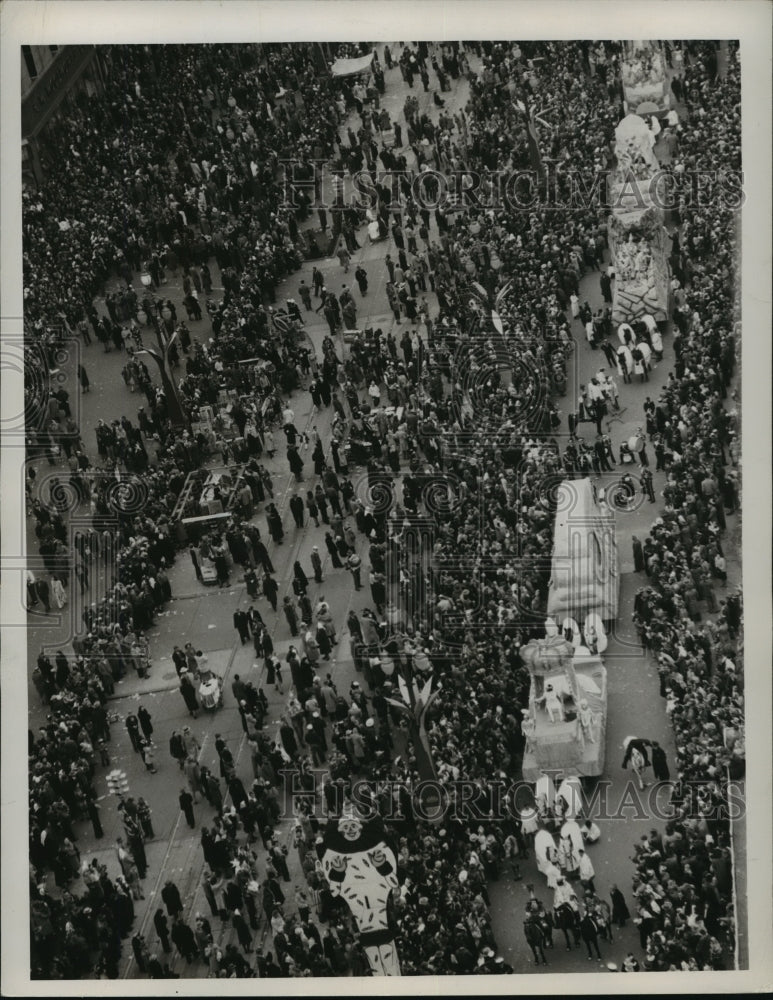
[553, 704]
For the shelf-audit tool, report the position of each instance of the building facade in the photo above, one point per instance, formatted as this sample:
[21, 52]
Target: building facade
[52, 77]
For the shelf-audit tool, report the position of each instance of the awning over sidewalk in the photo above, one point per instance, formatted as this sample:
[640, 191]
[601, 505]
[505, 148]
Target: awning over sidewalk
[349, 67]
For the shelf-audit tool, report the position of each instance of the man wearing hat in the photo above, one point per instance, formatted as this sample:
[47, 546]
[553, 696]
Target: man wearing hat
[191, 743]
[242, 625]
[370, 738]
[316, 564]
[355, 565]
[318, 725]
[186, 804]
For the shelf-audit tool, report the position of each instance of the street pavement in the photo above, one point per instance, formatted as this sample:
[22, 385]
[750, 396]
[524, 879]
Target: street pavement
[204, 618]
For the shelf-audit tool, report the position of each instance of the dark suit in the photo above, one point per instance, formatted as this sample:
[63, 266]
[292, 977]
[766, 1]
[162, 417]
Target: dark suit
[242, 625]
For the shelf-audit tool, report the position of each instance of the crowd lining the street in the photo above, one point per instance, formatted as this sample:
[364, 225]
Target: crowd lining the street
[475, 460]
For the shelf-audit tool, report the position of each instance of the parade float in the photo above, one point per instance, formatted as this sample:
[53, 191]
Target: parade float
[640, 249]
[644, 76]
[636, 166]
[584, 576]
[564, 726]
[360, 865]
[638, 242]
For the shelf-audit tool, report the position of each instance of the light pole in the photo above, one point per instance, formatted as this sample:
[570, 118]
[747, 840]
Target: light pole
[175, 409]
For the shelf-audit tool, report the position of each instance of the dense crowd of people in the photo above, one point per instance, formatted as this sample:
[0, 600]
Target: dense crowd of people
[684, 880]
[470, 462]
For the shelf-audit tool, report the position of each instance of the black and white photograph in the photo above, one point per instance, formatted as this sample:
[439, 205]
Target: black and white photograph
[386, 497]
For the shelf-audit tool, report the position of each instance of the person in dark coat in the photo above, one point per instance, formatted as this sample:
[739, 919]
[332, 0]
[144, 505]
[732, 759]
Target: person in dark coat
[251, 580]
[170, 895]
[261, 556]
[590, 935]
[184, 940]
[44, 593]
[331, 547]
[638, 554]
[207, 882]
[296, 509]
[155, 968]
[659, 762]
[93, 811]
[300, 577]
[278, 857]
[146, 818]
[177, 748]
[242, 625]
[295, 462]
[274, 522]
[214, 792]
[291, 614]
[141, 953]
[620, 912]
[122, 908]
[221, 568]
[162, 929]
[145, 721]
[323, 641]
[361, 276]
[271, 590]
[133, 727]
[316, 564]
[179, 659]
[188, 692]
[242, 930]
[236, 790]
[287, 736]
[186, 804]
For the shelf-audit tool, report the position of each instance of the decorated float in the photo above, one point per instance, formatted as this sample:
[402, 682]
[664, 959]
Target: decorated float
[640, 249]
[636, 166]
[564, 726]
[638, 242]
[584, 576]
[360, 865]
[644, 76]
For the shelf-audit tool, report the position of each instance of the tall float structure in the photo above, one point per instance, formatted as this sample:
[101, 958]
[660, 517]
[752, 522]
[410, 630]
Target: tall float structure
[360, 866]
[638, 242]
[565, 724]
